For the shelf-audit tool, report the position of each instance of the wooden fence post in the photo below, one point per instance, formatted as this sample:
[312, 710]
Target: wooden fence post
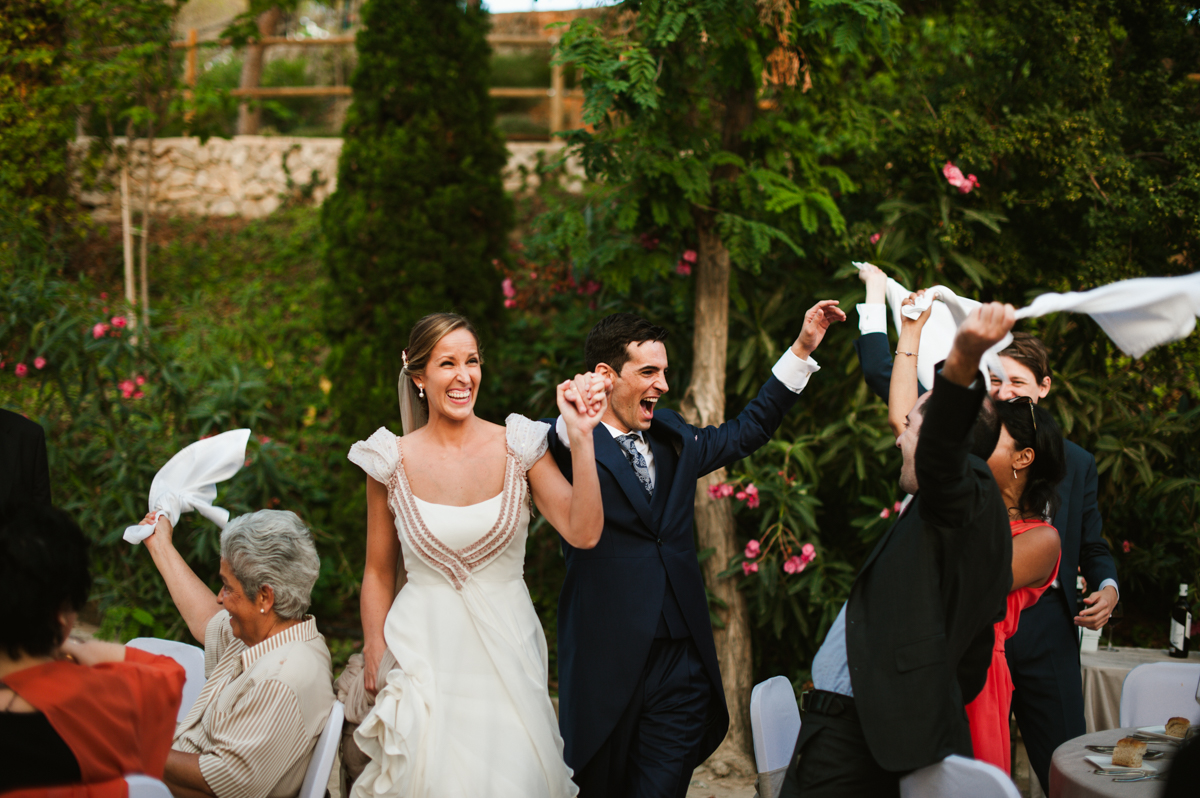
[250, 118]
[189, 79]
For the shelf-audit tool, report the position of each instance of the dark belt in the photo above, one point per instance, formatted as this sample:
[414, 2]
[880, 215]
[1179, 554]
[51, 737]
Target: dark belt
[823, 702]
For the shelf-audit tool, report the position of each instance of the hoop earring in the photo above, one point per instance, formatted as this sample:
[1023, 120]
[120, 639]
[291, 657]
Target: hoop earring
[1014, 473]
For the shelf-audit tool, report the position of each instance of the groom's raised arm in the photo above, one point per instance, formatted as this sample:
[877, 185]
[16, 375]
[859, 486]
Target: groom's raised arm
[754, 426]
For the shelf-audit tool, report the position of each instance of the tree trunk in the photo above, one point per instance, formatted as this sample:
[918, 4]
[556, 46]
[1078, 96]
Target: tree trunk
[704, 404]
[250, 115]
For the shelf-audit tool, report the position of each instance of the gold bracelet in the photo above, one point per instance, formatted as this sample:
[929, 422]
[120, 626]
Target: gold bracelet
[910, 354]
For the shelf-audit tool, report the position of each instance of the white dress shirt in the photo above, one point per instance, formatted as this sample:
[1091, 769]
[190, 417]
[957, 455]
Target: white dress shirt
[789, 369]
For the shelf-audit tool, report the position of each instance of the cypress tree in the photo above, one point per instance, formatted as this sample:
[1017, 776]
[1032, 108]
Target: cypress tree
[420, 213]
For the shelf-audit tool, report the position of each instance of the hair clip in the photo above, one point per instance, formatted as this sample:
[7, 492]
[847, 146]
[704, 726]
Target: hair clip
[404, 357]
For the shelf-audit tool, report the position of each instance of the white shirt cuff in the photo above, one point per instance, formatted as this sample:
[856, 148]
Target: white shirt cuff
[794, 372]
[1108, 582]
[560, 428]
[872, 318]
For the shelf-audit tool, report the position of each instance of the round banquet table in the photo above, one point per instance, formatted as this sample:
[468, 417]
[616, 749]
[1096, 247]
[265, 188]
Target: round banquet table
[1071, 776]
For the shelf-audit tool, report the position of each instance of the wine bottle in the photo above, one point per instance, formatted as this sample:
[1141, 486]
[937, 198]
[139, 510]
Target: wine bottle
[1181, 624]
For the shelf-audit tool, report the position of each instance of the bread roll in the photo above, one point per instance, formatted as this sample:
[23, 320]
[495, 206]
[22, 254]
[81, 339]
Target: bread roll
[1128, 753]
[1177, 727]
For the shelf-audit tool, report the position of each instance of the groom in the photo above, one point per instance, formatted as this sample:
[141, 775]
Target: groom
[641, 702]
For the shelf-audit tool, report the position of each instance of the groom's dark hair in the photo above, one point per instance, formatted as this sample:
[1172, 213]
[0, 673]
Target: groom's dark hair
[609, 340]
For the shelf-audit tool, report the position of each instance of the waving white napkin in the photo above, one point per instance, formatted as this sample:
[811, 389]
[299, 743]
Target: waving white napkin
[1137, 314]
[189, 481]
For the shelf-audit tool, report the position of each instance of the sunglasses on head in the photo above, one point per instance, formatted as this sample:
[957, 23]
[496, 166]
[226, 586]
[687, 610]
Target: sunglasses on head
[1025, 400]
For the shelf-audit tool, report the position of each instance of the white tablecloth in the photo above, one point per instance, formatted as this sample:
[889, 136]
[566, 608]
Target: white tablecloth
[1103, 674]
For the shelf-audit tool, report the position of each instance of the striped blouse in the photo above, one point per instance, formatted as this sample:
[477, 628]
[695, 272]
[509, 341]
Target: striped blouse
[261, 710]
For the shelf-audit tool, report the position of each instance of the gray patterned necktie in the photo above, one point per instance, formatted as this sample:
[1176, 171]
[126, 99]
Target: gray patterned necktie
[626, 442]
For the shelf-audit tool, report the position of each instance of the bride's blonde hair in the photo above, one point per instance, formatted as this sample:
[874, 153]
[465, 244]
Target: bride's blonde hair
[414, 410]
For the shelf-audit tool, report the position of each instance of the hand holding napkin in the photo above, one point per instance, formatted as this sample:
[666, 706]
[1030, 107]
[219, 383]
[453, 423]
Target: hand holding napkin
[189, 481]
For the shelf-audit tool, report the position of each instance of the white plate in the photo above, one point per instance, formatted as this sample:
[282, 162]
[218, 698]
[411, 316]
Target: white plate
[1161, 731]
[1104, 761]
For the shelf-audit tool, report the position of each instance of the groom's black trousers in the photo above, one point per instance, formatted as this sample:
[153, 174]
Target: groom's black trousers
[653, 749]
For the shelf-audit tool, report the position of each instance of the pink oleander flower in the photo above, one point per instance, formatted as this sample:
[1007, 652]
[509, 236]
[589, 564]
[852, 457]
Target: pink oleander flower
[875, 238]
[39, 363]
[749, 496]
[127, 388]
[510, 303]
[118, 322]
[263, 439]
[683, 268]
[794, 565]
[954, 177]
[648, 241]
[533, 275]
[753, 548]
[885, 512]
[138, 394]
[21, 370]
[246, 463]
[99, 329]
[104, 295]
[720, 491]
[689, 255]
[140, 380]
[507, 288]
[749, 568]
[590, 287]
[808, 553]
[897, 507]
[1126, 546]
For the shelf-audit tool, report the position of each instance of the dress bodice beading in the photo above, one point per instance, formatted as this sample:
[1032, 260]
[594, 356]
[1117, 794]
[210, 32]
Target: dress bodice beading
[468, 539]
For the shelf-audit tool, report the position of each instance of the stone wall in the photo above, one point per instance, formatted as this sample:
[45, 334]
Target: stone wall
[246, 176]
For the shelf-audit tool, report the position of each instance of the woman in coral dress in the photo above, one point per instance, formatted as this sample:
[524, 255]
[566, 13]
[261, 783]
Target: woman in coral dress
[465, 712]
[1028, 463]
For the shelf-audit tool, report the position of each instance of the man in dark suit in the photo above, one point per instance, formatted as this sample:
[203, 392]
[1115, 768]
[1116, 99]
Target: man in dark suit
[641, 700]
[24, 474]
[1043, 656]
[912, 645]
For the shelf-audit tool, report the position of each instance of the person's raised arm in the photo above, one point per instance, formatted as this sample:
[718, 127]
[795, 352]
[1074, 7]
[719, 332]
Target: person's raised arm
[903, 388]
[574, 508]
[942, 471]
[379, 579]
[872, 348]
[194, 600]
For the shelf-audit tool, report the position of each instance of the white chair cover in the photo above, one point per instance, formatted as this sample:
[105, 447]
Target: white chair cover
[190, 657]
[321, 764]
[146, 787]
[956, 776]
[775, 722]
[1155, 692]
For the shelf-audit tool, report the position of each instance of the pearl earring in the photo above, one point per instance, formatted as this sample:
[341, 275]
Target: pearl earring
[1014, 473]
[421, 388]
[264, 612]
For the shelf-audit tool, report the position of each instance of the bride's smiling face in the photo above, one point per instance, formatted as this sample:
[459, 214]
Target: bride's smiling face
[452, 376]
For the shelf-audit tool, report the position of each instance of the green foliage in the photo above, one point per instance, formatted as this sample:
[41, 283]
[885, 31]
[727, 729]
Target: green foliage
[228, 349]
[420, 216]
[35, 123]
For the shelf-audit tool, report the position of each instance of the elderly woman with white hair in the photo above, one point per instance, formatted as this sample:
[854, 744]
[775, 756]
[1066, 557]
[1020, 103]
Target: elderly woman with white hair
[269, 690]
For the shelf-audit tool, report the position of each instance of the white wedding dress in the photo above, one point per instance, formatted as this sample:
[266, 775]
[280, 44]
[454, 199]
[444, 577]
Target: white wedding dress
[466, 714]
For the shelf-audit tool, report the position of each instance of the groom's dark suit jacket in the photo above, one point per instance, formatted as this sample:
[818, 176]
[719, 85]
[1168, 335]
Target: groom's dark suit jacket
[613, 594]
[919, 634]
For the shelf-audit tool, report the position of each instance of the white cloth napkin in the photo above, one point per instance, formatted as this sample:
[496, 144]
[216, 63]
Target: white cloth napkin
[189, 481]
[1137, 315]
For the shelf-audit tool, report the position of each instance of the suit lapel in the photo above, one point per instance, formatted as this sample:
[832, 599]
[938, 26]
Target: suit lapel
[609, 455]
[665, 461]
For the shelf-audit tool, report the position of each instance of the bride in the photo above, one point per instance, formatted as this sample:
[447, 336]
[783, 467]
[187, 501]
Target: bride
[465, 709]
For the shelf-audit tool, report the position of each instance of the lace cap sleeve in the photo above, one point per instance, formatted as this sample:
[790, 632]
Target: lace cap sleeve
[527, 438]
[377, 455]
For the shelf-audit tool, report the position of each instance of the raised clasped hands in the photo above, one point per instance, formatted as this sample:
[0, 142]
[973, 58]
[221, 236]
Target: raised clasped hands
[876, 282]
[583, 400]
[817, 320]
